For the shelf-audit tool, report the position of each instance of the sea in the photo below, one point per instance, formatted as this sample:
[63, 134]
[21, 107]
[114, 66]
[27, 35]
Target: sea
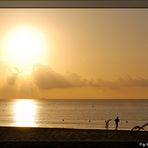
[74, 113]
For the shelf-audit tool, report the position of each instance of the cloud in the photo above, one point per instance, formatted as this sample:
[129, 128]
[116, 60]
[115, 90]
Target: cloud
[122, 82]
[45, 81]
[46, 78]
[138, 82]
[12, 79]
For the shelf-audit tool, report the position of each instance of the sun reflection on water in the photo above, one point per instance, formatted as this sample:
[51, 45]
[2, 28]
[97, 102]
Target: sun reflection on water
[24, 112]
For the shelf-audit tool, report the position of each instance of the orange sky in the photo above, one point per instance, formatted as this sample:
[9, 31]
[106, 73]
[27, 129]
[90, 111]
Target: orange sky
[85, 53]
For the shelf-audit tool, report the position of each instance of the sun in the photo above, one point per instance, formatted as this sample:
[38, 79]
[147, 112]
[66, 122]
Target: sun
[25, 46]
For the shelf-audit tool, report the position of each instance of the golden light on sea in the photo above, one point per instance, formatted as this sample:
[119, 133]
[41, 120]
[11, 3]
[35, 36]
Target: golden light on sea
[24, 112]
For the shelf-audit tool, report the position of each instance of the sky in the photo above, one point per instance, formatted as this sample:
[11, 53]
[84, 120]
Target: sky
[74, 53]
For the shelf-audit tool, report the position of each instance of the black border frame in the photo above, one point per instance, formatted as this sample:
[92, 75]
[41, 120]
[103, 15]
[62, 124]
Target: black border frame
[73, 3]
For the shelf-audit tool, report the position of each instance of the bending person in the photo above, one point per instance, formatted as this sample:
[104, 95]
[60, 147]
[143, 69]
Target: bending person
[107, 123]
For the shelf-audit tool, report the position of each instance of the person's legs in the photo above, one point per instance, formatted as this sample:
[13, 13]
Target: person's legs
[116, 125]
[106, 126]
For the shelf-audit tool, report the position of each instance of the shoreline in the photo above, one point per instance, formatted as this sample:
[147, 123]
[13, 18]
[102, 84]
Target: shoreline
[29, 137]
[33, 134]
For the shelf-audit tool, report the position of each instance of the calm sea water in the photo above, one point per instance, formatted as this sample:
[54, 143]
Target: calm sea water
[86, 114]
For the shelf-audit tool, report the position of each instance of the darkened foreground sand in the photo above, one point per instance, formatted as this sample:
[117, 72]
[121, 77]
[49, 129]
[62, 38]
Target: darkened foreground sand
[78, 137]
[61, 134]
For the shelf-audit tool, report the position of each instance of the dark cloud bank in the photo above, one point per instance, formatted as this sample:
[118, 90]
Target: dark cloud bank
[45, 78]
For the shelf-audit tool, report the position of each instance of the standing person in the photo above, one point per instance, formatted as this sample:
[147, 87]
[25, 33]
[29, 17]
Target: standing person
[116, 122]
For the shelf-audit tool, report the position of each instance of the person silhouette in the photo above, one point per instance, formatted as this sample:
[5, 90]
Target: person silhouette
[116, 122]
[107, 123]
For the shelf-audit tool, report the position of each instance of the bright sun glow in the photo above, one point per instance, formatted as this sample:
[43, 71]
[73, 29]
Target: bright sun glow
[24, 112]
[25, 46]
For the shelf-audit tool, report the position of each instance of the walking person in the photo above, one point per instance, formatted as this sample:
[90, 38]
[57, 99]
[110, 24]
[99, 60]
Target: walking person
[117, 120]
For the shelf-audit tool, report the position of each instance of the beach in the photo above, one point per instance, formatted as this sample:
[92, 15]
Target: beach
[74, 123]
[16, 136]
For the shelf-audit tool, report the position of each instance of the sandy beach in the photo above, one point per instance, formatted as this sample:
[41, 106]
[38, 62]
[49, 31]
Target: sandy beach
[45, 136]
[61, 134]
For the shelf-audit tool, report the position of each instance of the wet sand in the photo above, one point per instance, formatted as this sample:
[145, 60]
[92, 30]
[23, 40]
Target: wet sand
[15, 136]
